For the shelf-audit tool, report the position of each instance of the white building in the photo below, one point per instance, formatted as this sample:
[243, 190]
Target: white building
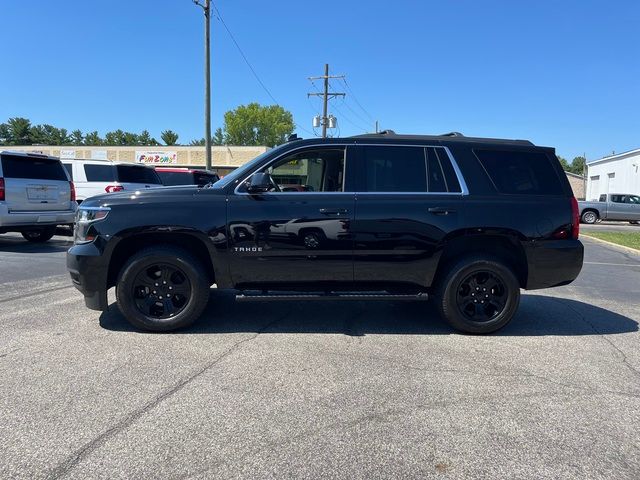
[618, 173]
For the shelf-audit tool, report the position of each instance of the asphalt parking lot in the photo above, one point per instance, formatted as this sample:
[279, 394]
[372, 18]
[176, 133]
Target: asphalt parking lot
[340, 390]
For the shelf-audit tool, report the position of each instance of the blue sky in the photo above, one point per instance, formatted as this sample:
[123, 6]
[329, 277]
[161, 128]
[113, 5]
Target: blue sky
[560, 73]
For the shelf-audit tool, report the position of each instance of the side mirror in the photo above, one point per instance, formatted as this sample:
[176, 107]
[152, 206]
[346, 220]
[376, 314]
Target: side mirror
[260, 183]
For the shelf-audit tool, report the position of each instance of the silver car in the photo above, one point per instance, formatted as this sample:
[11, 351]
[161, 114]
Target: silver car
[36, 195]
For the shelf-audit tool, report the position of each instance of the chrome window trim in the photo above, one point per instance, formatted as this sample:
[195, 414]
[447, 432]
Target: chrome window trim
[454, 164]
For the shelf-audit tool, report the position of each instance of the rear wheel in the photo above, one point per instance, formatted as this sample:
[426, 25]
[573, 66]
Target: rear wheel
[162, 288]
[589, 217]
[478, 295]
[39, 235]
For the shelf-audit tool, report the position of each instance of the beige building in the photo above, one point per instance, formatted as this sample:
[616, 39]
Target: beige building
[224, 158]
[577, 184]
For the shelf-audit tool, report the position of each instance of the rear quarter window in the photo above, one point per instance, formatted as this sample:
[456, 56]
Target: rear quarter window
[135, 174]
[18, 166]
[520, 173]
[100, 173]
[176, 178]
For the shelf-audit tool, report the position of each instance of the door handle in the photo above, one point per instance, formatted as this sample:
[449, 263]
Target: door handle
[334, 211]
[441, 210]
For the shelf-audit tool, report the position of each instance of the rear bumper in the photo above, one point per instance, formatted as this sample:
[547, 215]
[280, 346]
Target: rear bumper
[34, 218]
[88, 271]
[553, 263]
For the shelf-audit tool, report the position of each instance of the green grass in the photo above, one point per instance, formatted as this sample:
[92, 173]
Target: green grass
[628, 239]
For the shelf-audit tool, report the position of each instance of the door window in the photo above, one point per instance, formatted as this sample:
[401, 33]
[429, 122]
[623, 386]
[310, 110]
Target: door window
[396, 169]
[634, 199]
[317, 170]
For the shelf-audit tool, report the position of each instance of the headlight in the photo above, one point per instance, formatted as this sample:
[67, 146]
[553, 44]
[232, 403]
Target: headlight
[86, 217]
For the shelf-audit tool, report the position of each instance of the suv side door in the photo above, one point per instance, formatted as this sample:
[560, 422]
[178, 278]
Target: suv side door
[411, 198]
[300, 232]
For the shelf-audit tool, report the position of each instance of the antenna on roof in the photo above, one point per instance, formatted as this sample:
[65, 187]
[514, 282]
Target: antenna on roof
[452, 134]
[387, 132]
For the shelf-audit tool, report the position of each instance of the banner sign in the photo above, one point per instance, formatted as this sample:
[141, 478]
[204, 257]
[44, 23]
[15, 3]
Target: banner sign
[156, 157]
[67, 154]
[99, 154]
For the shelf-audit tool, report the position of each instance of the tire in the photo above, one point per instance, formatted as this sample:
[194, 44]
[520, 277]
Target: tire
[170, 276]
[472, 277]
[590, 217]
[312, 239]
[39, 235]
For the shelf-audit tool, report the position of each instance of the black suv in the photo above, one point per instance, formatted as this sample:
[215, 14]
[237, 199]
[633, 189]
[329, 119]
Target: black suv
[466, 221]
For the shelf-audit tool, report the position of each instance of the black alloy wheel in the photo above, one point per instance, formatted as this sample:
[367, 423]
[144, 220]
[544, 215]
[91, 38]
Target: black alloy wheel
[477, 294]
[481, 296]
[161, 291]
[162, 288]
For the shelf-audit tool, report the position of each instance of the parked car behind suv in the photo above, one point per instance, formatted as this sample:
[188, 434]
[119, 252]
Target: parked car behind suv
[611, 206]
[96, 177]
[465, 221]
[172, 176]
[36, 194]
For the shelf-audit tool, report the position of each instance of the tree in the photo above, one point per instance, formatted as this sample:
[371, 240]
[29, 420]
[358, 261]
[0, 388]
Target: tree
[169, 137]
[77, 138]
[19, 131]
[577, 165]
[564, 163]
[114, 138]
[4, 134]
[146, 139]
[218, 137]
[92, 138]
[254, 124]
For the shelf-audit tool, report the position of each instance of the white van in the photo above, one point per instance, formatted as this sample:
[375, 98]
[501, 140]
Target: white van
[97, 177]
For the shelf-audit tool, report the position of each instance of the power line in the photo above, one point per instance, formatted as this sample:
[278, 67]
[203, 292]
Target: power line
[356, 99]
[356, 114]
[244, 57]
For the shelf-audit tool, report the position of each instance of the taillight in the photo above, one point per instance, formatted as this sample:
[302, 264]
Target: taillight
[575, 218]
[113, 188]
[73, 191]
[1, 189]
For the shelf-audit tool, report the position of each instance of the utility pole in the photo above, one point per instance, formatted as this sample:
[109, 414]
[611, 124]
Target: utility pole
[326, 95]
[207, 79]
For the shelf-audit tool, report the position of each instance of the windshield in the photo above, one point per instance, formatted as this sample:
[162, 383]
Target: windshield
[241, 172]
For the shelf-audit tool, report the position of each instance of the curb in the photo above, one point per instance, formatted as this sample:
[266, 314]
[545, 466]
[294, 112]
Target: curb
[611, 244]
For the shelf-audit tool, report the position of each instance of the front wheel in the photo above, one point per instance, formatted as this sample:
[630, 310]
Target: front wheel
[478, 295]
[162, 288]
[39, 235]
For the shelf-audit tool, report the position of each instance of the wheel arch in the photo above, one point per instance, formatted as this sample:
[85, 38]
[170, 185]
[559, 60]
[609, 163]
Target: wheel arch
[131, 244]
[502, 245]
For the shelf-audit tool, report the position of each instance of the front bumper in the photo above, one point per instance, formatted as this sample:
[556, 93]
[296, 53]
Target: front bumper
[88, 272]
[552, 263]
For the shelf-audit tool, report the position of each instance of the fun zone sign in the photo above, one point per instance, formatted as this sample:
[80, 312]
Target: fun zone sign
[156, 157]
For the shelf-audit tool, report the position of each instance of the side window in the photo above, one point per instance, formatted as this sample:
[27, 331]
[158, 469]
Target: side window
[617, 198]
[635, 199]
[603, 198]
[69, 168]
[395, 169]
[100, 173]
[317, 170]
[453, 185]
[520, 172]
[437, 181]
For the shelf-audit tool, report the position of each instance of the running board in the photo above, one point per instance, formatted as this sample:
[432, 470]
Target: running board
[276, 297]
